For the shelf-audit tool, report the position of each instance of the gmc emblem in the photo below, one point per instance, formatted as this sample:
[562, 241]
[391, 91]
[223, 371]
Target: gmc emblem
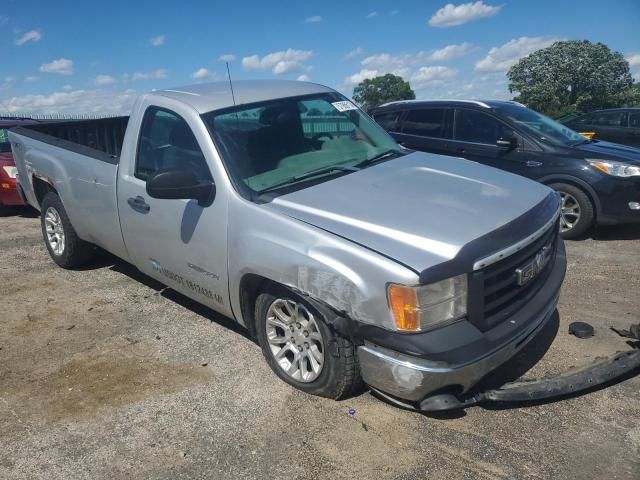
[531, 270]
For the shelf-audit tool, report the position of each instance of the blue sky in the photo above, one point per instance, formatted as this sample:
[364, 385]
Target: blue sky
[82, 57]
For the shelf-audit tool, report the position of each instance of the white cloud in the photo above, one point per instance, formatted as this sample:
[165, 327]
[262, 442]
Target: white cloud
[303, 78]
[394, 12]
[202, 74]
[285, 61]
[313, 19]
[32, 36]
[7, 82]
[363, 74]
[431, 76]
[452, 15]
[499, 59]
[103, 80]
[356, 52]
[451, 52]
[634, 59]
[636, 77]
[372, 14]
[67, 88]
[227, 58]
[30, 78]
[62, 66]
[414, 67]
[73, 101]
[153, 75]
[157, 41]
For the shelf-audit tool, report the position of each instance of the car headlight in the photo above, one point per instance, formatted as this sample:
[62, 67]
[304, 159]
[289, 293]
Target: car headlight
[11, 171]
[423, 307]
[617, 169]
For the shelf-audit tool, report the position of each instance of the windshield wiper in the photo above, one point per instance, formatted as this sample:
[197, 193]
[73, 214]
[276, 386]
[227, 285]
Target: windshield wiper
[310, 174]
[377, 158]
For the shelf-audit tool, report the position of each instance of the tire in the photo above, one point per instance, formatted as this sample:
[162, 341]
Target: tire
[62, 241]
[339, 376]
[577, 211]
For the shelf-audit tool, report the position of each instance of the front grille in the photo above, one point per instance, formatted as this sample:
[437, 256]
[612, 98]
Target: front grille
[494, 291]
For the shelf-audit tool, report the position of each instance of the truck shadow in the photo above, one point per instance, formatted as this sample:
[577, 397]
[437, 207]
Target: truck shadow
[106, 260]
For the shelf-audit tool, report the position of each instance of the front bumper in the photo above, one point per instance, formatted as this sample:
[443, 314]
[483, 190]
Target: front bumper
[614, 195]
[413, 378]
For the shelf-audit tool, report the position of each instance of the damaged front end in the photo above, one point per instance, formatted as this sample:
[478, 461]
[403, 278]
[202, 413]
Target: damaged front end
[601, 373]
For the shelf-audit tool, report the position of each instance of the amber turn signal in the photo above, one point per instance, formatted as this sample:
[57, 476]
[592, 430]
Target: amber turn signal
[404, 307]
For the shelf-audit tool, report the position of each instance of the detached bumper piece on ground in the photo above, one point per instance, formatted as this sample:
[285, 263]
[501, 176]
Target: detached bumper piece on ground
[597, 375]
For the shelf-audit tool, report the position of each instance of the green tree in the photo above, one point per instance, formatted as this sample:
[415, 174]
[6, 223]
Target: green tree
[572, 76]
[386, 88]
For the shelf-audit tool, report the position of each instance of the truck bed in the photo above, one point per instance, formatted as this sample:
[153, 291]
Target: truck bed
[101, 138]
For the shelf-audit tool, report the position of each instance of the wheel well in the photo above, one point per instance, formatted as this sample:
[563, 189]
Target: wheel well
[586, 191]
[251, 286]
[41, 188]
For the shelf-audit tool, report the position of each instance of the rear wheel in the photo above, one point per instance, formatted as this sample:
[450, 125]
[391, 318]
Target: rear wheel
[301, 349]
[577, 212]
[63, 244]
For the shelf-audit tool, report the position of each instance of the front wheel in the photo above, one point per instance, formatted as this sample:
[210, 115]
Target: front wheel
[576, 212]
[301, 349]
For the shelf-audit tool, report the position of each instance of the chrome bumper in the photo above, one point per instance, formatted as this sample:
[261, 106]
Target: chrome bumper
[413, 378]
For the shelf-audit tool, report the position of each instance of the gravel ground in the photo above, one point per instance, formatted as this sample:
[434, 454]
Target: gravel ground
[105, 375]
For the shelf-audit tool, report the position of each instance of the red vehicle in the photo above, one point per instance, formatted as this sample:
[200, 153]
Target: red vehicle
[8, 185]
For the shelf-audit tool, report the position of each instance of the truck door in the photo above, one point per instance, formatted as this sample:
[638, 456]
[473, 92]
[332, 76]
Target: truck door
[633, 130]
[178, 242]
[483, 138]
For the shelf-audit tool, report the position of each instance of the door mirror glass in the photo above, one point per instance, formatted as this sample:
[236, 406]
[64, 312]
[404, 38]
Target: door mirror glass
[174, 184]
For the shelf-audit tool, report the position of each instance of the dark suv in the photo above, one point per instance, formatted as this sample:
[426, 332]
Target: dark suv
[620, 125]
[598, 181]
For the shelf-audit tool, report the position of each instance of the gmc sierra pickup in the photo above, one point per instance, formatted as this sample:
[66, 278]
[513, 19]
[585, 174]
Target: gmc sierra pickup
[348, 257]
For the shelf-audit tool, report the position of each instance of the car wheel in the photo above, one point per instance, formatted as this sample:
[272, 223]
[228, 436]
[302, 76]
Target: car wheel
[63, 244]
[301, 349]
[577, 213]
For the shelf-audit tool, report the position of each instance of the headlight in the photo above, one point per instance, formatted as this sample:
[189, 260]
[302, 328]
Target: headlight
[11, 171]
[424, 307]
[617, 169]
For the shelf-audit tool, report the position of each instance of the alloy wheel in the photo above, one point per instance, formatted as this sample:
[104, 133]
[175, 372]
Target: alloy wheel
[569, 212]
[295, 340]
[55, 230]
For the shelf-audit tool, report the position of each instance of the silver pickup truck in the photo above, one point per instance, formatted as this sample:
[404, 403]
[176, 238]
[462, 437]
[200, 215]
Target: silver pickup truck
[284, 207]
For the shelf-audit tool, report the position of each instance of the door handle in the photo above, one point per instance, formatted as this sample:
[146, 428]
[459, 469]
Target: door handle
[531, 163]
[460, 150]
[138, 204]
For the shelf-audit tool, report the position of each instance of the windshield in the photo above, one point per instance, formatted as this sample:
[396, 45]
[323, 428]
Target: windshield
[5, 146]
[279, 143]
[541, 127]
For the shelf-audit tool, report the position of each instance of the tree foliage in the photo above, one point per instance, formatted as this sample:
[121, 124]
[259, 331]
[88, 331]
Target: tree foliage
[386, 88]
[573, 76]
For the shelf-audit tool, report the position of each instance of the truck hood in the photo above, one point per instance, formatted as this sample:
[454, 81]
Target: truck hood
[613, 151]
[420, 209]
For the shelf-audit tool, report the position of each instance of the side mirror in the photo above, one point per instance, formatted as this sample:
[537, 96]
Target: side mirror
[508, 142]
[181, 184]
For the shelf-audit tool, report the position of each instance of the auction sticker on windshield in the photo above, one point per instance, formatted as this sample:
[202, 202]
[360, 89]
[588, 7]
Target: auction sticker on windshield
[344, 105]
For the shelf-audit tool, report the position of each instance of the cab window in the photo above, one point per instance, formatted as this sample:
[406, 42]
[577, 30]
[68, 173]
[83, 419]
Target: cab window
[167, 142]
[478, 127]
[388, 120]
[426, 122]
[610, 119]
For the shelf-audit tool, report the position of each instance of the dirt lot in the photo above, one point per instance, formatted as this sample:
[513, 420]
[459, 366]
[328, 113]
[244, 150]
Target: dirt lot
[104, 375]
